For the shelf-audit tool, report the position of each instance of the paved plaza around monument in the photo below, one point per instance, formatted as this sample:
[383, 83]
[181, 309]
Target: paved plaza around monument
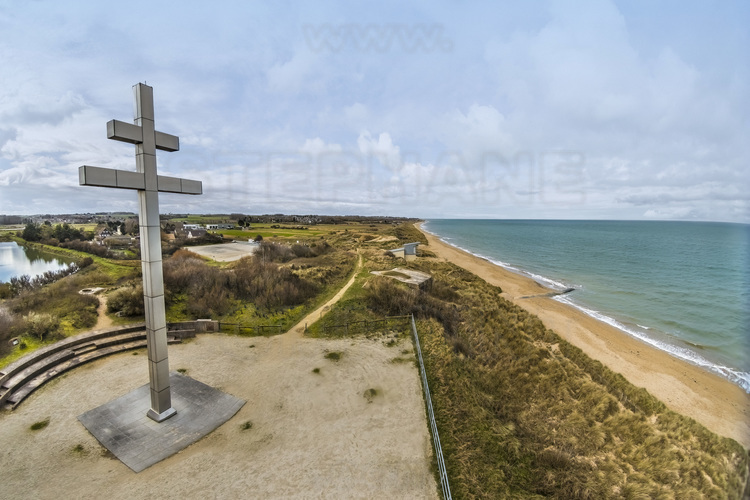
[123, 427]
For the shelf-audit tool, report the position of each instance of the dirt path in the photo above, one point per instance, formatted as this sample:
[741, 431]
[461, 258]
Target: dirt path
[103, 321]
[298, 330]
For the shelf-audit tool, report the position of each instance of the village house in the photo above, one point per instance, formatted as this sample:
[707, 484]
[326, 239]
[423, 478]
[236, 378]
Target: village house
[196, 233]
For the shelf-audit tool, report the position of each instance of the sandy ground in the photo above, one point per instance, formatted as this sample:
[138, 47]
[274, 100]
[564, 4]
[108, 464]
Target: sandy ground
[103, 321]
[312, 435]
[685, 388]
[381, 239]
[225, 252]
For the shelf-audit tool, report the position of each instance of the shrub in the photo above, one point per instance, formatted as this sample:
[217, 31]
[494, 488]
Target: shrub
[37, 426]
[128, 301]
[333, 355]
[370, 394]
[32, 232]
[40, 325]
[391, 299]
[209, 298]
[211, 290]
[274, 252]
[85, 262]
[59, 300]
[7, 330]
[302, 251]
[268, 285]
[89, 247]
[21, 284]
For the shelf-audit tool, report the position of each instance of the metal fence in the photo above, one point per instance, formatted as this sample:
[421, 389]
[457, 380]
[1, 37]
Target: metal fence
[250, 330]
[431, 415]
[366, 326]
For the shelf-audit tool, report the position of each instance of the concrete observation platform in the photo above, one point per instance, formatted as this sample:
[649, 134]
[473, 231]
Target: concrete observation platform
[123, 428]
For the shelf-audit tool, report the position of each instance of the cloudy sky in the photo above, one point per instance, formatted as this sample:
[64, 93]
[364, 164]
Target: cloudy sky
[525, 109]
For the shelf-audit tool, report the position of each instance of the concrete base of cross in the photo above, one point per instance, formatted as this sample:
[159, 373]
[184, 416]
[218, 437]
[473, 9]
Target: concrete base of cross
[139, 442]
[160, 417]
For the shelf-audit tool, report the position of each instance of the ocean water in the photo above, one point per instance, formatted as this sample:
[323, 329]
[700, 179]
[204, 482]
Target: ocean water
[683, 287]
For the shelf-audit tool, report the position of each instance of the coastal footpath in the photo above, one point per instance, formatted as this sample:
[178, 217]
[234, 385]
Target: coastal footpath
[711, 400]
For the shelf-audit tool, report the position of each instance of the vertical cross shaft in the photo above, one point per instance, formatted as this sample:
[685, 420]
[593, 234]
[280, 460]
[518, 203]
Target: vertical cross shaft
[153, 279]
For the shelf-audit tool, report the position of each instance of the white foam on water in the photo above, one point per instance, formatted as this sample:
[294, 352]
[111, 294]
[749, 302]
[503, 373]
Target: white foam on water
[735, 376]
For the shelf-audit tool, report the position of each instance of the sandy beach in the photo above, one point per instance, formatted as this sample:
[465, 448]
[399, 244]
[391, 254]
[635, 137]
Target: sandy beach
[685, 388]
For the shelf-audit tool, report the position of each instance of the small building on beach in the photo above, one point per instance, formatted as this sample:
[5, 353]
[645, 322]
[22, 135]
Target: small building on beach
[408, 252]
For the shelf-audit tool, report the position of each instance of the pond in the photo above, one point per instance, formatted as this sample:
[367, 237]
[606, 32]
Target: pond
[16, 260]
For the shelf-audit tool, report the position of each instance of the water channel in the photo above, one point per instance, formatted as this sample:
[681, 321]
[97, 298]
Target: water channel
[17, 260]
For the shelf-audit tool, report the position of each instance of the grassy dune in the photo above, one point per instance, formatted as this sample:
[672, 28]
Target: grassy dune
[523, 413]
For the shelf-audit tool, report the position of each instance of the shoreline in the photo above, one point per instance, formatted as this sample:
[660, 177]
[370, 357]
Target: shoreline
[659, 339]
[720, 405]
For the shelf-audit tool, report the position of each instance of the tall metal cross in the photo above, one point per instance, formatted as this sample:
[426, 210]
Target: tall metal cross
[148, 184]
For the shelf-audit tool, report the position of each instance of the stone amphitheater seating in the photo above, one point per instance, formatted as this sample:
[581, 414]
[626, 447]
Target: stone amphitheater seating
[21, 378]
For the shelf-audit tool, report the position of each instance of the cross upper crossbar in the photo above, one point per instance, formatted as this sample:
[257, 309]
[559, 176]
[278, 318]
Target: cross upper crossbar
[133, 134]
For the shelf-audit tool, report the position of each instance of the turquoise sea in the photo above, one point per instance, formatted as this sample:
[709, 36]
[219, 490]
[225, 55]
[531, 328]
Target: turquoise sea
[683, 287]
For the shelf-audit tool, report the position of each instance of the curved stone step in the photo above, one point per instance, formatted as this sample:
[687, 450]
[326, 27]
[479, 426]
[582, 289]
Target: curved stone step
[14, 368]
[32, 373]
[23, 391]
[21, 377]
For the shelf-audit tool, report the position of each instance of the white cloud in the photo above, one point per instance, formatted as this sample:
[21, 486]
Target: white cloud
[296, 75]
[564, 109]
[357, 114]
[481, 130]
[381, 149]
[317, 146]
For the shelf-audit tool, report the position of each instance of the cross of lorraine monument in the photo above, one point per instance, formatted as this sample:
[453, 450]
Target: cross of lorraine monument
[148, 184]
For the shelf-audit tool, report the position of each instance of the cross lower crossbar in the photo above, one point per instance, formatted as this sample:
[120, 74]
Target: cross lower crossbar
[124, 179]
